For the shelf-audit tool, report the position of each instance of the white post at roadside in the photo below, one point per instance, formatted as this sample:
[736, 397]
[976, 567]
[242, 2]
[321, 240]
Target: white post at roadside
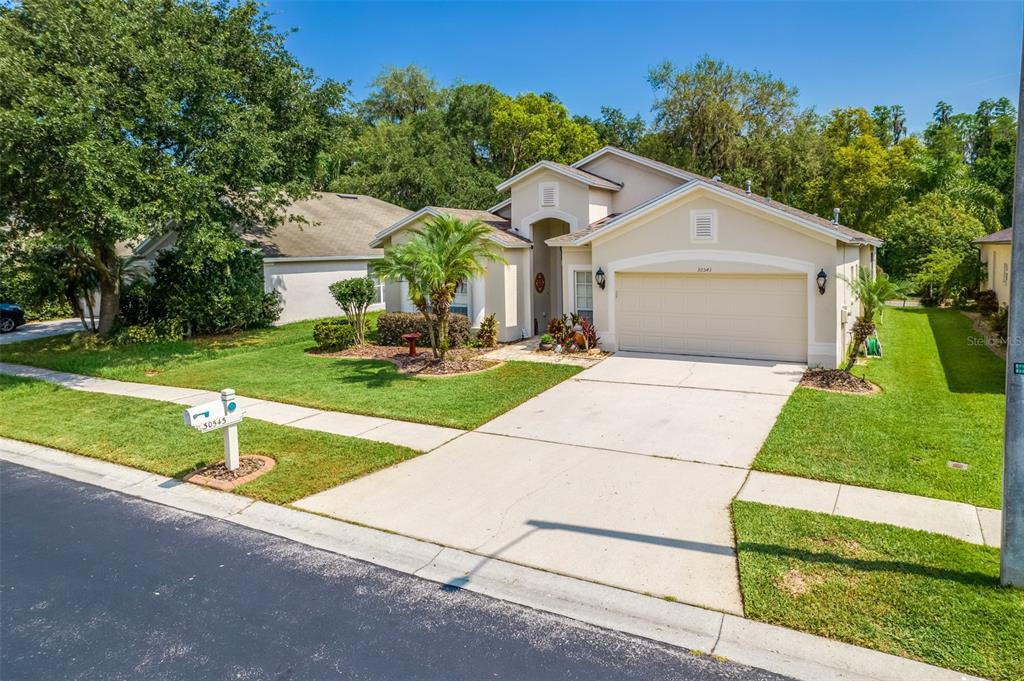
[227, 396]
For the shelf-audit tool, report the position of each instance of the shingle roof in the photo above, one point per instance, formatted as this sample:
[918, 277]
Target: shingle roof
[500, 227]
[1003, 236]
[338, 225]
[572, 237]
[584, 176]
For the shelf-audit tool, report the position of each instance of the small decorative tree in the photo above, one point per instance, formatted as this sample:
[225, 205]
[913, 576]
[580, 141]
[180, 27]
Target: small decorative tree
[354, 296]
[449, 252]
[401, 263]
[872, 292]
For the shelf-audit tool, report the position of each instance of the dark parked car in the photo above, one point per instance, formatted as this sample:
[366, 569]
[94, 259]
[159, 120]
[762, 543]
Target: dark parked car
[11, 317]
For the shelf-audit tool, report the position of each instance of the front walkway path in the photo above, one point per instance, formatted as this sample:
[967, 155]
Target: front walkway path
[417, 436]
[33, 330]
[970, 523]
[526, 351]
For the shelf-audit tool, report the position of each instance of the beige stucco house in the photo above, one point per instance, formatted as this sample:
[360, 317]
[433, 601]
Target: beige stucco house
[995, 253]
[662, 260]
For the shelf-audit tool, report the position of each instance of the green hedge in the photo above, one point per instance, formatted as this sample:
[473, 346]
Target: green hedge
[391, 326]
[334, 335]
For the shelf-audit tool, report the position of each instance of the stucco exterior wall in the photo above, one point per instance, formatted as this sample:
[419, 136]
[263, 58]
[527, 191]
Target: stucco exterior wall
[748, 242]
[600, 204]
[304, 286]
[639, 183]
[573, 202]
[997, 264]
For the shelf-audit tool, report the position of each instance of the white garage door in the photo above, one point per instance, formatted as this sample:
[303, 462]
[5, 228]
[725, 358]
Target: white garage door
[758, 317]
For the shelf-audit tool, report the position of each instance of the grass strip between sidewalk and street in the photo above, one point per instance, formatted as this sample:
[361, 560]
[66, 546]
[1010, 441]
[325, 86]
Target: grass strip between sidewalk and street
[910, 593]
[151, 436]
[272, 364]
[942, 400]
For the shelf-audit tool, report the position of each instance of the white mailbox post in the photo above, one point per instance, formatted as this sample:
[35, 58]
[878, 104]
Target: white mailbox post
[215, 415]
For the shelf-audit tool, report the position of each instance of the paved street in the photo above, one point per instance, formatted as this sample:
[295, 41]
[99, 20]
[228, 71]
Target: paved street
[98, 585]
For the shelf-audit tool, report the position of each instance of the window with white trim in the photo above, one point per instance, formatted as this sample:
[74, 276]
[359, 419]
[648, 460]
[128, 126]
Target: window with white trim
[703, 225]
[378, 285]
[460, 303]
[549, 195]
[583, 294]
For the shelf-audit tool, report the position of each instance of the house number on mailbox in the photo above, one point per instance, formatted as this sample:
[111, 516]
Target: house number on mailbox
[703, 269]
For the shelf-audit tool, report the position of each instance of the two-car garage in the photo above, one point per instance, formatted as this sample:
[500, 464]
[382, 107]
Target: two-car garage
[729, 315]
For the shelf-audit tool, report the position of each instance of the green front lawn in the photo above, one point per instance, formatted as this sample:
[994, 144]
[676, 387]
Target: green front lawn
[909, 593]
[942, 400]
[151, 435]
[273, 364]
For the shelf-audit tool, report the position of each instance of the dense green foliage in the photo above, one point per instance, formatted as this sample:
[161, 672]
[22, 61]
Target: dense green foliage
[941, 400]
[334, 334]
[120, 118]
[913, 594]
[392, 325]
[211, 295]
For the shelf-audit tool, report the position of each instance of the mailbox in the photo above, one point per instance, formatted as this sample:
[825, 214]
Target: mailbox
[217, 414]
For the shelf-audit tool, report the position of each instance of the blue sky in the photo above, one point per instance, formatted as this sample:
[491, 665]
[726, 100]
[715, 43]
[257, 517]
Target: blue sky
[594, 54]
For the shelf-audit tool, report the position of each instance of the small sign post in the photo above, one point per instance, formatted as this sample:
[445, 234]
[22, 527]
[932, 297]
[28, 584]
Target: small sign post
[215, 415]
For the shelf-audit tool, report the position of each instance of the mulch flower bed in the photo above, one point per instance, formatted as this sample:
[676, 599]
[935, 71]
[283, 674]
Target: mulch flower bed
[837, 380]
[217, 476]
[459, 361]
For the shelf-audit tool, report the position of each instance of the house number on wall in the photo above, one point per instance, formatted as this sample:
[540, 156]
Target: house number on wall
[703, 269]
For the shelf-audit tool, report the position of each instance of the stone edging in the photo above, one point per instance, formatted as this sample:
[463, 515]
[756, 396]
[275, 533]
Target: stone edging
[197, 477]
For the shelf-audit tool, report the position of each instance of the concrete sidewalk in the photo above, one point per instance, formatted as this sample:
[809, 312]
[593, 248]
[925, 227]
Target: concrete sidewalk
[416, 436]
[973, 524]
[773, 648]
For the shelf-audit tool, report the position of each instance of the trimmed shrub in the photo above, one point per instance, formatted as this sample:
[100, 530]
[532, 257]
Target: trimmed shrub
[391, 326]
[334, 335]
[354, 296]
[987, 302]
[488, 335]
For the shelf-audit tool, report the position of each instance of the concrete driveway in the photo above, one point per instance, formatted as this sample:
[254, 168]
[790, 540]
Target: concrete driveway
[53, 327]
[622, 475]
[701, 409]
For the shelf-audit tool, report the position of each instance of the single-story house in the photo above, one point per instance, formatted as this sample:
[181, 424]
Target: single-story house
[328, 242]
[661, 260]
[996, 251]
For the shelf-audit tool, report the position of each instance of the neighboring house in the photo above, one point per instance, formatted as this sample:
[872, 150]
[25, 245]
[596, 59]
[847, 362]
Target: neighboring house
[302, 259]
[995, 253]
[662, 260]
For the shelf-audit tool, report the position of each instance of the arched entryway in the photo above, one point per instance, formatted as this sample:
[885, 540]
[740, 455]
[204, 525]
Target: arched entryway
[546, 282]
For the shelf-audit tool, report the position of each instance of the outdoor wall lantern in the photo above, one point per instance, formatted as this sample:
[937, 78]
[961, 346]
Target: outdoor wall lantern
[599, 278]
[822, 278]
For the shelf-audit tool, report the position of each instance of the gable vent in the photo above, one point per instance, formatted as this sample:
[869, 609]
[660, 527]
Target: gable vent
[703, 225]
[549, 195]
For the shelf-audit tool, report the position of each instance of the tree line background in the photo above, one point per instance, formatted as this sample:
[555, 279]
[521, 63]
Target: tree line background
[121, 120]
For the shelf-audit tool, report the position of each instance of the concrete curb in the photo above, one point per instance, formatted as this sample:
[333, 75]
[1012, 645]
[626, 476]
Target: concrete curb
[776, 649]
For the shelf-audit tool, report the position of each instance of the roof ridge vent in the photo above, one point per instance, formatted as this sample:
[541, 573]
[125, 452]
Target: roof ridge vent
[748, 183]
[835, 216]
[347, 196]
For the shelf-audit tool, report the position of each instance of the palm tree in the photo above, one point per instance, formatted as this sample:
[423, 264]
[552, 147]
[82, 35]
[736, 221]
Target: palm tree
[402, 262]
[447, 252]
[872, 292]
